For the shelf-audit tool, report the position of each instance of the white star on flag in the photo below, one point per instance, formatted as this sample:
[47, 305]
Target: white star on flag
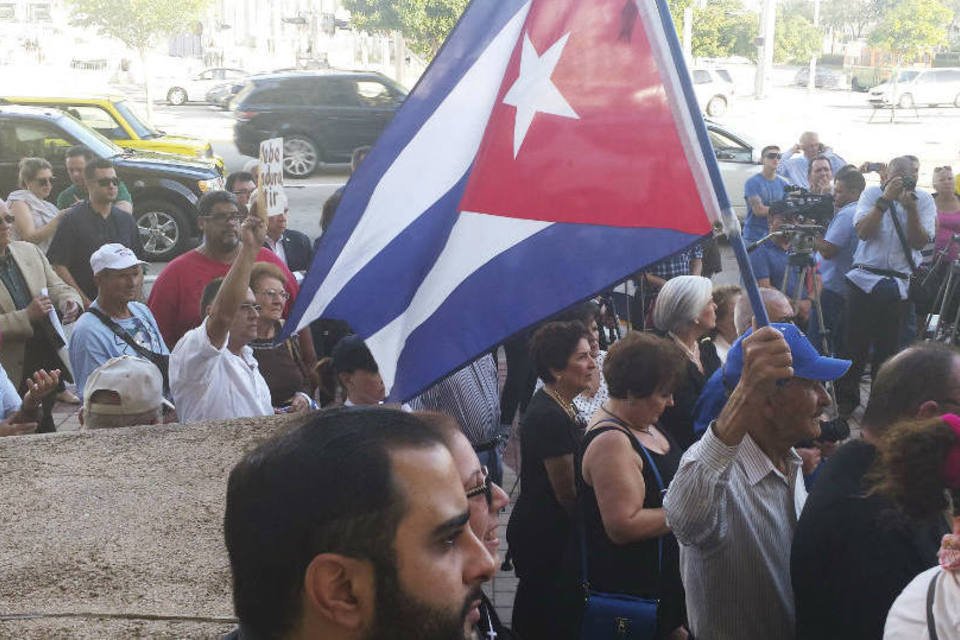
[534, 91]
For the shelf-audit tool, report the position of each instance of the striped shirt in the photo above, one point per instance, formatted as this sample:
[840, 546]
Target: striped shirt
[734, 515]
[471, 396]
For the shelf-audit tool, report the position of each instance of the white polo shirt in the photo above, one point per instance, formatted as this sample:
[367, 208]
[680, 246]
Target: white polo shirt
[210, 383]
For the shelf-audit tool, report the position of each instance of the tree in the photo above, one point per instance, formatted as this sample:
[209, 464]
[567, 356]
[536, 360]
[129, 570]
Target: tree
[851, 17]
[797, 40]
[137, 23]
[912, 28]
[724, 28]
[423, 23]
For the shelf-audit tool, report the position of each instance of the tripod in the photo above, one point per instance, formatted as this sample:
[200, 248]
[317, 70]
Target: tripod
[935, 328]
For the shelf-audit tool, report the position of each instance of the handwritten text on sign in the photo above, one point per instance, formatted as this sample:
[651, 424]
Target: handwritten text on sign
[270, 182]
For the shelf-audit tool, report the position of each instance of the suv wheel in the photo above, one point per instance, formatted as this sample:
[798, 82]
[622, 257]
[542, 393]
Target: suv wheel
[301, 156]
[163, 230]
[906, 101]
[717, 106]
[177, 96]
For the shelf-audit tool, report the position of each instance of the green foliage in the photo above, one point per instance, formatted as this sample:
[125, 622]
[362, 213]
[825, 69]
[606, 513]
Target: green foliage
[850, 17]
[724, 28]
[423, 23]
[796, 39]
[912, 27]
[136, 23]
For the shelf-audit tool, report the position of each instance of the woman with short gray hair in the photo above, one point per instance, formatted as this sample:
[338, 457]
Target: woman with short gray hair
[685, 313]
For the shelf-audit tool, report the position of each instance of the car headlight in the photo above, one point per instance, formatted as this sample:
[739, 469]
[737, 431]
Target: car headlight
[213, 184]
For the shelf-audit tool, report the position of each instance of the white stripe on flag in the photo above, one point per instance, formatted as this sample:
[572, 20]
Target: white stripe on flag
[475, 240]
[428, 167]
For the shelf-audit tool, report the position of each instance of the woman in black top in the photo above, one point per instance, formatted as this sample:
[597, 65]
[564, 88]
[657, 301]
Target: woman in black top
[539, 528]
[621, 503]
[685, 313]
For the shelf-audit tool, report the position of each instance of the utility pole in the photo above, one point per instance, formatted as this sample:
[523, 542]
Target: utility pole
[811, 79]
[768, 22]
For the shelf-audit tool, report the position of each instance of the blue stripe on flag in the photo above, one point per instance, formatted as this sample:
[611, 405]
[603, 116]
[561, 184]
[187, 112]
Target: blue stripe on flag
[499, 300]
[458, 54]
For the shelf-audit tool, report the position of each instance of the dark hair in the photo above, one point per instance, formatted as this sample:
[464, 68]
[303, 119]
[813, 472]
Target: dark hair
[641, 363]
[209, 293]
[723, 295]
[330, 210]
[917, 374]
[443, 425]
[325, 487]
[910, 460]
[818, 158]
[351, 353]
[845, 168]
[238, 176]
[78, 150]
[90, 170]
[552, 345]
[852, 179]
[212, 198]
[583, 312]
[769, 147]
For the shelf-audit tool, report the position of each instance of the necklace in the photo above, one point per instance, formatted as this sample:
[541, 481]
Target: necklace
[645, 430]
[567, 407]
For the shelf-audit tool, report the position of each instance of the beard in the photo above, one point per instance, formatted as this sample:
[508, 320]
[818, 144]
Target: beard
[401, 616]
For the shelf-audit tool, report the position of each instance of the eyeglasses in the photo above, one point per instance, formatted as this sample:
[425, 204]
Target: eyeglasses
[107, 182]
[235, 218]
[485, 488]
[7, 218]
[249, 306]
[773, 156]
[242, 192]
[45, 182]
[274, 293]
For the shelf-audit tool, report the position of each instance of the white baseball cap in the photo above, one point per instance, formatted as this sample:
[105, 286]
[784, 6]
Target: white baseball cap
[113, 256]
[136, 381]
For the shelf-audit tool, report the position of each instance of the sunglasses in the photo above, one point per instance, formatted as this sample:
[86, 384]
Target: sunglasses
[107, 182]
[249, 306]
[45, 182]
[225, 217]
[485, 488]
[773, 156]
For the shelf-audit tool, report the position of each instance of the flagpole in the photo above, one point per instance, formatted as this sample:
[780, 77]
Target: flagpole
[731, 228]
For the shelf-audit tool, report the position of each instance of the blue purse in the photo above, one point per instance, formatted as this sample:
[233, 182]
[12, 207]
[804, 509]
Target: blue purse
[617, 616]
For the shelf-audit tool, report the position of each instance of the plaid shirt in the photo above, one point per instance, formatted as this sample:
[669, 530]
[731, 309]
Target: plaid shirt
[676, 265]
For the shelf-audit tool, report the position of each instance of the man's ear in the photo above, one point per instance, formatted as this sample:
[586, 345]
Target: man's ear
[339, 591]
[928, 409]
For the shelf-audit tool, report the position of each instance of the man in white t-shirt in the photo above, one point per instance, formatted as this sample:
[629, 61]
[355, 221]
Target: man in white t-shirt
[213, 374]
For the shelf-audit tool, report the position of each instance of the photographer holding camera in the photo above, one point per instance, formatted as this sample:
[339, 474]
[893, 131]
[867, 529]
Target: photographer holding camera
[891, 221]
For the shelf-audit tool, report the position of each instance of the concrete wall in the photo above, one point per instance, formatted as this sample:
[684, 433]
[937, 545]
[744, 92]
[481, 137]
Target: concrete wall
[118, 533]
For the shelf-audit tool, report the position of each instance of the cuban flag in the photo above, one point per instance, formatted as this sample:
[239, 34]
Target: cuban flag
[552, 149]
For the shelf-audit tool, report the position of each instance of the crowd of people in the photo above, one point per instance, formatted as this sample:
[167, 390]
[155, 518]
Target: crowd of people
[683, 463]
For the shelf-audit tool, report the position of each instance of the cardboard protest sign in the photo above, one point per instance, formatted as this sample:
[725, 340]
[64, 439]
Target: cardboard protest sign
[270, 197]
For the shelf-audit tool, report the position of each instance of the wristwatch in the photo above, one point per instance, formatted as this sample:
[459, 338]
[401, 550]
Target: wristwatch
[882, 203]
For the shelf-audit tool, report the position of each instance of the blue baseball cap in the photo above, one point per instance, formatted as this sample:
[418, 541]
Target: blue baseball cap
[807, 361]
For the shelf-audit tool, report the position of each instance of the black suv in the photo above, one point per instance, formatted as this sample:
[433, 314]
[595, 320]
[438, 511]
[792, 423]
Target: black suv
[322, 116]
[165, 187]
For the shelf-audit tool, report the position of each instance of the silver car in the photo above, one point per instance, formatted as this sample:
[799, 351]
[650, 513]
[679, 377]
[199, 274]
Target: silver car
[739, 160]
[913, 88]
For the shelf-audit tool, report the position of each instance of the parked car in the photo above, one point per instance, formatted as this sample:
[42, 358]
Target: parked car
[222, 94]
[322, 116]
[165, 187]
[117, 119]
[915, 87]
[194, 88]
[738, 158]
[824, 78]
[714, 89]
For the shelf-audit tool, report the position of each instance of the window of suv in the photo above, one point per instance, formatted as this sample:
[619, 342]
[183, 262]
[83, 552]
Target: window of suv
[701, 76]
[97, 119]
[32, 139]
[338, 92]
[281, 94]
[374, 94]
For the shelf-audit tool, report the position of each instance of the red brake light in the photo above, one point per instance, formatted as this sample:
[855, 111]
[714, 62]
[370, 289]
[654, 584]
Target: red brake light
[245, 116]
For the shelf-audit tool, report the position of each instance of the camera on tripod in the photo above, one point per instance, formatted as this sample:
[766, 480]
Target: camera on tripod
[802, 207]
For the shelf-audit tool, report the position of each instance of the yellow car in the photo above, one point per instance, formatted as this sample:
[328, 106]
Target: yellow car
[118, 120]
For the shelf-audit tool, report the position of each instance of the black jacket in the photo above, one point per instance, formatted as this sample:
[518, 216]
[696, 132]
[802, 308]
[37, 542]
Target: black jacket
[298, 250]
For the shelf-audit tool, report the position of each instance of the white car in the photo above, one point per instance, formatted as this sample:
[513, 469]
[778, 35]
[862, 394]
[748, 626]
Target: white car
[739, 160]
[714, 89]
[918, 87]
[195, 88]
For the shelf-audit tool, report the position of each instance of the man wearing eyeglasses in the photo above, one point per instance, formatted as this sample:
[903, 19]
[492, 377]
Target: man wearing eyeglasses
[90, 225]
[213, 373]
[241, 184]
[761, 191]
[175, 296]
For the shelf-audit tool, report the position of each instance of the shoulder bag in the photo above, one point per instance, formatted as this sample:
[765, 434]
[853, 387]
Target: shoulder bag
[618, 616]
[160, 360]
[924, 280]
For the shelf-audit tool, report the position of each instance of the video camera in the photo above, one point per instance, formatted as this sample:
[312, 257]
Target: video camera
[802, 207]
